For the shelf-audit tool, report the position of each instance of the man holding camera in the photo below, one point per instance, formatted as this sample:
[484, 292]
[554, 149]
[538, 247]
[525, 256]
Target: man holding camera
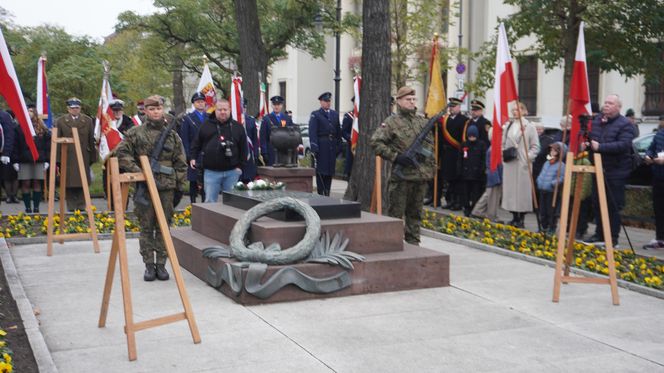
[223, 143]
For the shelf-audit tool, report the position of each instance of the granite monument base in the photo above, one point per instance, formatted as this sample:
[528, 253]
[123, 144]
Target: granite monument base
[296, 178]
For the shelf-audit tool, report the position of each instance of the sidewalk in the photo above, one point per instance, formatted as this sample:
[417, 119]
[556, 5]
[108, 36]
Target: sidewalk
[497, 316]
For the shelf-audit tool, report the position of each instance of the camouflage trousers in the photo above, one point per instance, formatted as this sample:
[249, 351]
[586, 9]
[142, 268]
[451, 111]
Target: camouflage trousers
[150, 241]
[406, 198]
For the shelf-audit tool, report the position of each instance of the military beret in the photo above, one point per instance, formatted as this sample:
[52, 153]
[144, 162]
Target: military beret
[153, 100]
[277, 100]
[629, 113]
[73, 102]
[197, 96]
[116, 105]
[325, 96]
[477, 105]
[453, 101]
[405, 91]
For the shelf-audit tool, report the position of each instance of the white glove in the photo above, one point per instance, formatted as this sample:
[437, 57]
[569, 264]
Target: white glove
[4, 159]
[46, 166]
[15, 165]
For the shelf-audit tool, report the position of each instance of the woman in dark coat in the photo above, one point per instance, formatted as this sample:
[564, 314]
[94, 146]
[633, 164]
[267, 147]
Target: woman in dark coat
[31, 173]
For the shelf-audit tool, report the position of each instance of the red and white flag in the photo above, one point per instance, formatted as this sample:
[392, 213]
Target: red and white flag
[236, 100]
[43, 101]
[579, 91]
[10, 89]
[206, 87]
[106, 134]
[263, 109]
[504, 92]
[355, 132]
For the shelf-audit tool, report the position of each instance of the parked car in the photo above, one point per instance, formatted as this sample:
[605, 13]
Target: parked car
[642, 175]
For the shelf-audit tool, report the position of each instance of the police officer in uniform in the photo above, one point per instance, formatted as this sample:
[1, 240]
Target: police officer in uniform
[277, 118]
[477, 119]
[188, 130]
[171, 177]
[325, 139]
[85, 127]
[451, 135]
[390, 141]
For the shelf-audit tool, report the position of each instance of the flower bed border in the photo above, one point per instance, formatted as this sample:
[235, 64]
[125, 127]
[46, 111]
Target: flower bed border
[533, 259]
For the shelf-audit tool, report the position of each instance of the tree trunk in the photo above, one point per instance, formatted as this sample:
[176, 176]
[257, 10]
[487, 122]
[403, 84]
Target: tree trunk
[178, 87]
[374, 94]
[253, 56]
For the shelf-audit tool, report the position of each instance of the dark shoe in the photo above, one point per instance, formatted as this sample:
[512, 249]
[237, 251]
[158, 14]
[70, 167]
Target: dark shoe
[29, 210]
[654, 244]
[162, 274]
[455, 208]
[15, 200]
[35, 210]
[150, 272]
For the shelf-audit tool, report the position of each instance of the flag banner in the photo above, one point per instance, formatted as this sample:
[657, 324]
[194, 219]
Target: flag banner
[436, 100]
[206, 87]
[355, 132]
[106, 133]
[236, 100]
[43, 101]
[10, 89]
[264, 109]
[137, 120]
[579, 91]
[504, 92]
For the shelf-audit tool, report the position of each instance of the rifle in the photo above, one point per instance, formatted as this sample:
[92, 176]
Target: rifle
[416, 150]
[140, 197]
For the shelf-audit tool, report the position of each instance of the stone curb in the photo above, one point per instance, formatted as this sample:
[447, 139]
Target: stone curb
[497, 250]
[30, 323]
[44, 239]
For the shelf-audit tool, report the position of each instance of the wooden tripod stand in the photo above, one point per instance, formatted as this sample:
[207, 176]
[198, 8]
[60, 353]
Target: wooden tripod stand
[60, 237]
[377, 194]
[120, 185]
[562, 269]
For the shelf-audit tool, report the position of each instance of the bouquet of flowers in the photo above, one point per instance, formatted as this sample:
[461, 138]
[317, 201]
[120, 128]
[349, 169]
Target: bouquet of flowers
[260, 184]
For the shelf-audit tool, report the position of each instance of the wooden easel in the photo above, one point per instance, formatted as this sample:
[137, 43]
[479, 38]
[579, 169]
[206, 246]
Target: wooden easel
[60, 237]
[562, 269]
[118, 249]
[377, 194]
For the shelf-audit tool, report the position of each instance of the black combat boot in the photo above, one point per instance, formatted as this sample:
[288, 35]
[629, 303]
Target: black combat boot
[150, 272]
[162, 274]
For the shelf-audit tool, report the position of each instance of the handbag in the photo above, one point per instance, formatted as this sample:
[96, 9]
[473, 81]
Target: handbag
[511, 153]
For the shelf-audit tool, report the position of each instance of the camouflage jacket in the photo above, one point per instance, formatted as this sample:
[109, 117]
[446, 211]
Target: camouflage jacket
[396, 134]
[140, 140]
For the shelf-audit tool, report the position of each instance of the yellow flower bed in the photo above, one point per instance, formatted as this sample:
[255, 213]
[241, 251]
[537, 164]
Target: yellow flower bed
[24, 225]
[6, 365]
[634, 268]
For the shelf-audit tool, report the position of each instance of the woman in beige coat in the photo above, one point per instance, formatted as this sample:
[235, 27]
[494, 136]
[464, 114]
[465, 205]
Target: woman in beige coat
[517, 185]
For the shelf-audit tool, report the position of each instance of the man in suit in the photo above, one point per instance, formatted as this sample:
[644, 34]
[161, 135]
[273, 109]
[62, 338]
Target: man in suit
[188, 130]
[325, 138]
[277, 118]
[83, 123]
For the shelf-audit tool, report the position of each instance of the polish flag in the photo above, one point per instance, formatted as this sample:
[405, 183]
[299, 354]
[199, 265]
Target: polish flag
[355, 132]
[236, 100]
[264, 109]
[43, 100]
[206, 87]
[106, 134]
[579, 92]
[504, 92]
[10, 89]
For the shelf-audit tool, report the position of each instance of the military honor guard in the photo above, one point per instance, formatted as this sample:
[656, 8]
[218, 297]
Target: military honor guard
[85, 126]
[277, 118]
[325, 139]
[477, 118]
[450, 137]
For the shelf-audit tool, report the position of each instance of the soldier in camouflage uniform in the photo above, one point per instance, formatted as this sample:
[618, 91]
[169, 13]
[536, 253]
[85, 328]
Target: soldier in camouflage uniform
[390, 141]
[141, 140]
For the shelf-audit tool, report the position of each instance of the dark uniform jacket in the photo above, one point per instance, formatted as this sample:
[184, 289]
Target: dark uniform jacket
[325, 139]
[22, 153]
[214, 138]
[615, 137]
[450, 137]
[270, 121]
[188, 129]
[472, 160]
[481, 122]
[6, 134]
[85, 128]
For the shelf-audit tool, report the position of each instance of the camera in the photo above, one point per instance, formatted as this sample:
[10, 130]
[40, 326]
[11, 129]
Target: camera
[226, 146]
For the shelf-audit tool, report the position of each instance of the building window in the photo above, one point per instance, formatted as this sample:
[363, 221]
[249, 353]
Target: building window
[593, 83]
[654, 104]
[282, 91]
[528, 83]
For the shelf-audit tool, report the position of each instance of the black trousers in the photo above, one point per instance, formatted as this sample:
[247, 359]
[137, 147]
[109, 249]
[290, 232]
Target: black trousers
[323, 184]
[548, 214]
[470, 191]
[615, 200]
[658, 205]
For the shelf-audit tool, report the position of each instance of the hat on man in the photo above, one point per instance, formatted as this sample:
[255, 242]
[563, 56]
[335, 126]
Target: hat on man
[629, 113]
[153, 100]
[325, 96]
[405, 91]
[453, 101]
[116, 105]
[73, 102]
[277, 100]
[197, 96]
[477, 105]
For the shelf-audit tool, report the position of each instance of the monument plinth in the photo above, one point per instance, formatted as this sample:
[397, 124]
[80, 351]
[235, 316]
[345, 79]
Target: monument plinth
[296, 178]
